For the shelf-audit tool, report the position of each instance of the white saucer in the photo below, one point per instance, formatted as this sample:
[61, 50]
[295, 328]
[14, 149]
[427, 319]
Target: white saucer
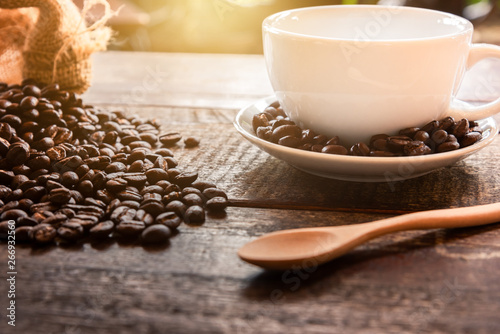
[356, 168]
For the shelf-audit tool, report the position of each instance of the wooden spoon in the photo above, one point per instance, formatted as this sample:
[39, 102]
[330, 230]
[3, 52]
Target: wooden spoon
[309, 247]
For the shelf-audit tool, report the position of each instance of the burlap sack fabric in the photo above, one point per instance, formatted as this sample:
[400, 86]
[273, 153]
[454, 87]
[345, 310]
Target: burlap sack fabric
[56, 44]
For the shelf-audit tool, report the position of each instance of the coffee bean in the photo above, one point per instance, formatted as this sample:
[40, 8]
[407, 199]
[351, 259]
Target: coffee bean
[102, 229]
[192, 199]
[60, 196]
[154, 175]
[69, 179]
[448, 146]
[170, 139]
[116, 185]
[190, 142]
[194, 215]
[214, 192]
[13, 214]
[184, 179]
[70, 231]
[145, 217]
[334, 149]
[470, 138]
[461, 128]
[130, 227]
[359, 149]
[169, 219]
[439, 136]
[416, 147]
[23, 233]
[396, 144]
[18, 153]
[35, 193]
[43, 233]
[155, 234]
[217, 204]
[154, 208]
[176, 206]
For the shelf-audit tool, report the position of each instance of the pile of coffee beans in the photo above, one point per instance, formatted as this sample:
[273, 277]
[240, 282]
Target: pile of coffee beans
[71, 172]
[434, 137]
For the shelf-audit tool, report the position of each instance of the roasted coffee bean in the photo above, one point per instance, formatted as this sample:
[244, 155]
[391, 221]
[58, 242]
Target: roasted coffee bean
[416, 148]
[439, 136]
[286, 130]
[156, 234]
[135, 179]
[55, 220]
[85, 187]
[169, 219]
[18, 154]
[448, 146]
[145, 217]
[56, 153]
[23, 233]
[381, 154]
[70, 231]
[194, 215]
[431, 127]
[154, 175]
[470, 138]
[289, 141]
[69, 179]
[35, 193]
[191, 190]
[334, 149]
[359, 149]
[461, 128]
[192, 199]
[190, 142]
[217, 204]
[130, 227]
[421, 136]
[13, 214]
[152, 189]
[43, 233]
[60, 196]
[184, 179]
[214, 192]
[115, 167]
[102, 229]
[170, 139]
[154, 208]
[261, 119]
[116, 185]
[396, 144]
[447, 123]
[4, 146]
[176, 206]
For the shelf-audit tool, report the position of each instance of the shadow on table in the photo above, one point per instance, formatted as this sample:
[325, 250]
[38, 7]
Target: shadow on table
[270, 285]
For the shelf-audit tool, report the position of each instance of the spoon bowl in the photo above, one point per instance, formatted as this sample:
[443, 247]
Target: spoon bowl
[307, 247]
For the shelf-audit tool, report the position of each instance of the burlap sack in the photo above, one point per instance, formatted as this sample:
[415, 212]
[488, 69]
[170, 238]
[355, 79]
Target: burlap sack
[57, 48]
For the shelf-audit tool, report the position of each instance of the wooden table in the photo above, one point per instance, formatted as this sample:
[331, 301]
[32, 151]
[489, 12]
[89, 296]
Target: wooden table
[437, 281]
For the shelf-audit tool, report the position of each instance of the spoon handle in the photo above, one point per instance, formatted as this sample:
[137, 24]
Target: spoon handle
[443, 218]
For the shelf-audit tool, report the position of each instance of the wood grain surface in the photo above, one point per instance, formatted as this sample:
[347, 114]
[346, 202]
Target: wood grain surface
[436, 281]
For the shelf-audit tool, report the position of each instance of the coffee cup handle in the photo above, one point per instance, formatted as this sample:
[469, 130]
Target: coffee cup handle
[460, 109]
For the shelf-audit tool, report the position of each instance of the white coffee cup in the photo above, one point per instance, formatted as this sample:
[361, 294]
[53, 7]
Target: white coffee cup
[356, 71]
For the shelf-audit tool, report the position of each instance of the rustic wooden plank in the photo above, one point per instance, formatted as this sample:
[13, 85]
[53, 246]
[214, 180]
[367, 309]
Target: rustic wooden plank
[409, 282]
[178, 79]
